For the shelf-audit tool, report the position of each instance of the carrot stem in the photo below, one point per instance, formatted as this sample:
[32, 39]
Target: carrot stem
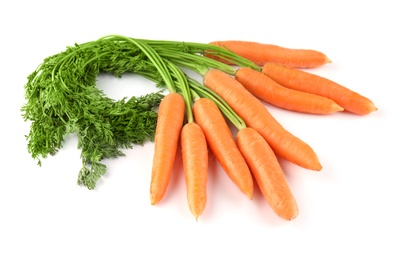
[153, 56]
[236, 120]
[197, 63]
[198, 90]
[202, 48]
[183, 84]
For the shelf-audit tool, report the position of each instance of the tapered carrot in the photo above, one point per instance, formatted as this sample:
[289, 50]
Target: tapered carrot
[256, 115]
[169, 125]
[261, 53]
[267, 172]
[222, 144]
[300, 80]
[195, 163]
[272, 92]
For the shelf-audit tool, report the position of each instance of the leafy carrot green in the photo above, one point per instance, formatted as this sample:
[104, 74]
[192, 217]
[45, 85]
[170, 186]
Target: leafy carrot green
[62, 99]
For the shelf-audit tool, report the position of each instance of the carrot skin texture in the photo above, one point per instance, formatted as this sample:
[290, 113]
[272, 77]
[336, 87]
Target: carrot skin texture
[262, 86]
[267, 172]
[256, 116]
[222, 144]
[300, 80]
[167, 134]
[261, 53]
[195, 163]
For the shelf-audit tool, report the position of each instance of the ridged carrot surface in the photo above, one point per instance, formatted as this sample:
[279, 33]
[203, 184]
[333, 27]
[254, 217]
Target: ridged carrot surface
[272, 92]
[222, 144]
[256, 115]
[261, 53]
[267, 172]
[167, 134]
[195, 163]
[304, 81]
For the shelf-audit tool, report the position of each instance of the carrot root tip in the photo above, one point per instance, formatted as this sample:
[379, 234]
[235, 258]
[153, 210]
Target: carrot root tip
[153, 200]
[250, 195]
[338, 108]
[293, 217]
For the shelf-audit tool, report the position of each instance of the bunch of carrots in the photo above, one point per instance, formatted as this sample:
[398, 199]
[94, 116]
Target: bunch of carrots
[237, 75]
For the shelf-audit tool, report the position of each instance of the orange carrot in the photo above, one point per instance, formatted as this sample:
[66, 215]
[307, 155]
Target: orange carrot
[222, 144]
[270, 91]
[256, 115]
[304, 81]
[261, 53]
[195, 163]
[267, 172]
[169, 125]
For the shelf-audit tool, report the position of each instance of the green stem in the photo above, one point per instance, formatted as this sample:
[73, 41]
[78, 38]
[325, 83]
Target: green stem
[202, 91]
[195, 62]
[195, 95]
[198, 91]
[203, 48]
[153, 56]
[168, 55]
[183, 84]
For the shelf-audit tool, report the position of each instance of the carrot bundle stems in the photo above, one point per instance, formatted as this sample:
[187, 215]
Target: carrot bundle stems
[296, 79]
[227, 111]
[267, 172]
[204, 49]
[152, 55]
[194, 113]
[195, 164]
[270, 91]
[256, 115]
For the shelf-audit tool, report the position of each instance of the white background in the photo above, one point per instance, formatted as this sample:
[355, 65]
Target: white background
[347, 211]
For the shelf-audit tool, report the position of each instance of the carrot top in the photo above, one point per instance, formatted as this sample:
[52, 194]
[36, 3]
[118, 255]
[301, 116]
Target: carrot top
[62, 100]
[153, 56]
[182, 48]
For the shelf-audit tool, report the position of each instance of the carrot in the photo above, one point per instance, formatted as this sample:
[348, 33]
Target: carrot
[167, 133]
[272, 92]
[267, 172]
[256, 115]
[222, 144]
[195, 163]
[261, 53]
[194, 147]
[169, 123]
[300, 80]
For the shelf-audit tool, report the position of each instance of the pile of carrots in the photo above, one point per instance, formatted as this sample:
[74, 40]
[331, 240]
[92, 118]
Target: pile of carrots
[195, 118]
[237, 76]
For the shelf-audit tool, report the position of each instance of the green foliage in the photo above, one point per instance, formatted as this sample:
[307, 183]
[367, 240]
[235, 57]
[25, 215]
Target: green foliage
[62, 99]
